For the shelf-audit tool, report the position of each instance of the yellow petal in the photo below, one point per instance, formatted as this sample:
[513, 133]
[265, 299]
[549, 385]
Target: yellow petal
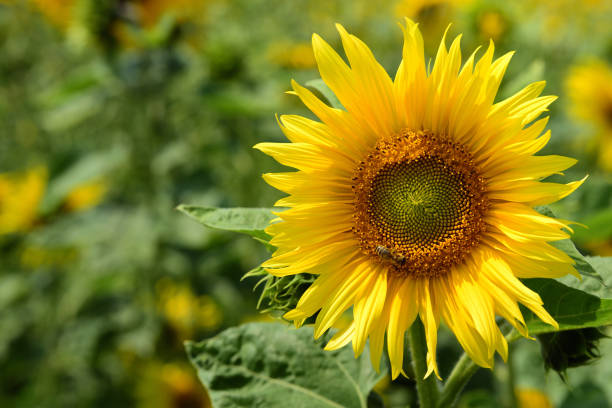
[368, 309]
[402, 313]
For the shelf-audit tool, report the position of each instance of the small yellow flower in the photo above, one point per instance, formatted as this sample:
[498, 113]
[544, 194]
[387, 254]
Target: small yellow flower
[418, 9]
[86, 196]
[58, 12]
[296, 56]
[589, 87]
[20, 197]
[532, 398]
[185, 311]
[492, 24]
[169, 385]
[150, 12]
[34, 257]
[416, 200]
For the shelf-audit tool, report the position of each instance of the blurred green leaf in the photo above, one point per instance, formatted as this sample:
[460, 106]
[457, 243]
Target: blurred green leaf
[90, 168]
[273, 365]
[321, 88]
[532, 73]
[599, 227]
[250, 221]
[571, 308]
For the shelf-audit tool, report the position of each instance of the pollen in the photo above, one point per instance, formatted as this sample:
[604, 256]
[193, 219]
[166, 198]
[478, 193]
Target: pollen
[419, 199]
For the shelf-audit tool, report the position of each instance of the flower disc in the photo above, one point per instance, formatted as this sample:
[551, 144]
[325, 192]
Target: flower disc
[419, 203]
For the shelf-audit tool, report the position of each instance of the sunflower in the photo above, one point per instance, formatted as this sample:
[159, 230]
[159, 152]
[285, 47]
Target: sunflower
[589, 87]
[415, 200]
[21, 194]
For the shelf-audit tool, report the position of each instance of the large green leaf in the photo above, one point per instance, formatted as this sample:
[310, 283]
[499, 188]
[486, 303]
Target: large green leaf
[583, 267]
[598, 287]
[250, 221]
[273, 365]
[567, 245]
[571, 308]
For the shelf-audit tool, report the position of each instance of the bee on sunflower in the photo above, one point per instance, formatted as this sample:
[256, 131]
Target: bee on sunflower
[415, 201]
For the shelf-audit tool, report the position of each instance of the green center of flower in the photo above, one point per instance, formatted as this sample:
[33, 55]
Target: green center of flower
[419, 203]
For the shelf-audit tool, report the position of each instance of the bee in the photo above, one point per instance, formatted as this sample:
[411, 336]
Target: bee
[387, 254]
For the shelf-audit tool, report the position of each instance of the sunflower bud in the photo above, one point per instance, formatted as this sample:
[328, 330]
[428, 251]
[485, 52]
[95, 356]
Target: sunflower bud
[570, 348]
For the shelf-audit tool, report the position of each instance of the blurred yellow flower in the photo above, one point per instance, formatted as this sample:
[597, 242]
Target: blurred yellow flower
[295, 56]
[419, 9]
[186, 312]
[20, 196]
[34, 256]
[589, 86]
[85, 196]
[58, 12]
[170, 385]
[532, 398]
[492, 24]
[433, 16]
[559, 18]
[151, 12]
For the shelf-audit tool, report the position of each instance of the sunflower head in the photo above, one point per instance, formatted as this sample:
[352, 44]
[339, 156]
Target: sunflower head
[415, 200]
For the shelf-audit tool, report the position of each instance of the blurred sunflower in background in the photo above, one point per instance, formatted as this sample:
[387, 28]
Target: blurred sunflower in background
[433, 16]
[589, 87]
[170, 385]
[20, 197]
[416, 200]
[122, 23]
[532, 398]
[185, 312]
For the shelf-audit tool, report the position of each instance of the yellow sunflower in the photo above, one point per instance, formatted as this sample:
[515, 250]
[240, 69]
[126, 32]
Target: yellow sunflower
[416, 200]
[589, 87]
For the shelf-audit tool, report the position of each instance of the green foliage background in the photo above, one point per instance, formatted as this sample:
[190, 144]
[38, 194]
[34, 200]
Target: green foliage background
[96, 303]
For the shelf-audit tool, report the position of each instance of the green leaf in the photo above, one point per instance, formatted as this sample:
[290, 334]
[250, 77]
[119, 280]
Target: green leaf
[322, 90]
[250, 221]
[599, 287]
[274, 365]
[90, 168]
[583, 267]
[571, 308]
[599, 227]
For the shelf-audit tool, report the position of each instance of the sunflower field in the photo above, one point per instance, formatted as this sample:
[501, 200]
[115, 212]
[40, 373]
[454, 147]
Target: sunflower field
[306, 203]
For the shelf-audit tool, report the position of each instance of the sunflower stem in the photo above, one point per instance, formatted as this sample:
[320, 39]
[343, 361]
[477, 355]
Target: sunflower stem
[462, 373]
[459, 377]
[427, 388]
[511, 378]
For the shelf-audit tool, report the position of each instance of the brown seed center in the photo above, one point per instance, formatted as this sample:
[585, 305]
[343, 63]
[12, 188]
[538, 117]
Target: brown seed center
[419, 203]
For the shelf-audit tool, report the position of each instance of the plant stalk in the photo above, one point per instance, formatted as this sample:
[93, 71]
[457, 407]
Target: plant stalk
[427, 388]
[461, 374]
[459, 377]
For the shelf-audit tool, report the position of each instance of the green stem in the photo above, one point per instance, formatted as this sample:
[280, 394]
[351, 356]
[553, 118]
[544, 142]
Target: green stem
[511, 379]
[427, 388]
[459, 377]
[461, 374]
